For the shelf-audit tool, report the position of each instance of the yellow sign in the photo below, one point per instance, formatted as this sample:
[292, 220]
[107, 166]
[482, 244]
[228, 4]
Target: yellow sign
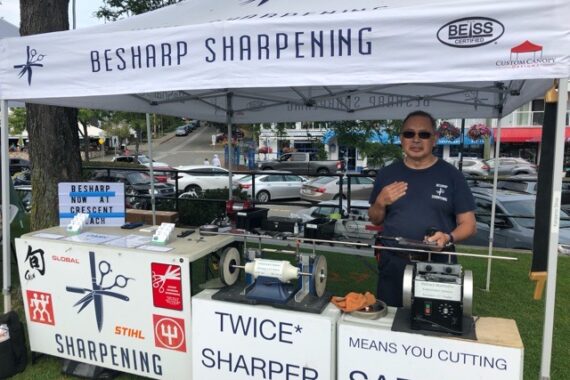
[101, 141]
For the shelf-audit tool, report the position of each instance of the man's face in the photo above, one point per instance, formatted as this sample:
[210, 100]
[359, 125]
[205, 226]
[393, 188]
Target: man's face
[417, 137]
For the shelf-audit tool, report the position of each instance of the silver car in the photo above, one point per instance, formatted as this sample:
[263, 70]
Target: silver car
[511, 166]
[270, 186]
[328, 188]
[472, 166]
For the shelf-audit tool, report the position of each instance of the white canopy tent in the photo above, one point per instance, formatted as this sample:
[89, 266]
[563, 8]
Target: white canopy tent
[241, 61]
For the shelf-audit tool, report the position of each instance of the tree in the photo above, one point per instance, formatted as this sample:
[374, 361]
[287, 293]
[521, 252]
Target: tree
[360, 133]
[113, 10]
[54, 142]
[88, 117]
[17, 120]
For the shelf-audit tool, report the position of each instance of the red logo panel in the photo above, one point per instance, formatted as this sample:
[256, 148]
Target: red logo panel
[40, 308]
[166, 286]
[169, 333]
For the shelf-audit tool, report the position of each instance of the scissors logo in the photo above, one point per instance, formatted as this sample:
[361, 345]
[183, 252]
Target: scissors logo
[158, 280]
[98, 289]
[32, 61]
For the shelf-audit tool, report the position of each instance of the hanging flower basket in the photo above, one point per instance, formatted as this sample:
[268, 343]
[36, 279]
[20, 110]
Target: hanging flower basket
[479, 131]
[265, 149]
[448, 130]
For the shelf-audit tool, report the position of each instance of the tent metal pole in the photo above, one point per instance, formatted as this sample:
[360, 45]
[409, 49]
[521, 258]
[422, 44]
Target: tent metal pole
[149, 143]
[229, 117]
[5, 208]
[548, 328]
[494, 199]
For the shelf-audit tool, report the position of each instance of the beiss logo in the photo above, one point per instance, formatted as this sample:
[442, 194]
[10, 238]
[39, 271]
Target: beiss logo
[470, 32]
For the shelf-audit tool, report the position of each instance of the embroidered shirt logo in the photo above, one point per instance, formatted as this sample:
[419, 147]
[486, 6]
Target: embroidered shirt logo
[439, 192]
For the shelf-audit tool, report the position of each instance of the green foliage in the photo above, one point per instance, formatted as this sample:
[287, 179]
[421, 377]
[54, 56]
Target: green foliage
[321, 152]
[17, 120]
[359, 133]
[113, 10]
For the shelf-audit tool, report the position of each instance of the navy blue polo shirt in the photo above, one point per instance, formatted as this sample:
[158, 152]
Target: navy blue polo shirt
[434, 197]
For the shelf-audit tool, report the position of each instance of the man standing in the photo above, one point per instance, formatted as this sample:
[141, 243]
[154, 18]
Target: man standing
[416, 195]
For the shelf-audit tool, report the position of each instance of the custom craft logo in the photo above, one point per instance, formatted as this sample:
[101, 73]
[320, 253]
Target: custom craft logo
[470, 32]
[31, 62]
[525, 55]
[245, 2]
[98, 289]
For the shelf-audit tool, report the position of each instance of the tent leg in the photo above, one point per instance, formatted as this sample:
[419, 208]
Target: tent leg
[149, 143]
[229, 117]
[6, 208]
[548, 328]
[494, 199]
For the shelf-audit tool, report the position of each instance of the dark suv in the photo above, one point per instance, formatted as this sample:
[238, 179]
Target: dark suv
[137, 186]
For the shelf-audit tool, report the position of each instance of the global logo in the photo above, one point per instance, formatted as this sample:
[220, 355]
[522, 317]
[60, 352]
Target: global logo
[470, 32]
[245, 2]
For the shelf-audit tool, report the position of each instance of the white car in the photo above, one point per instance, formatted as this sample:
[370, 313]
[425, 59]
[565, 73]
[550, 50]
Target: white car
[196, 178]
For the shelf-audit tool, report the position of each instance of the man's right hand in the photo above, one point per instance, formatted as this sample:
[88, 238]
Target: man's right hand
[391, 193]
[387, 196]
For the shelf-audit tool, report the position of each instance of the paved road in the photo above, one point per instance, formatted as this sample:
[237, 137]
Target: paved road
[188, 150]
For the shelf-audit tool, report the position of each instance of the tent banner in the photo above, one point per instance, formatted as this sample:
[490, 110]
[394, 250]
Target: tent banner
[423, 43]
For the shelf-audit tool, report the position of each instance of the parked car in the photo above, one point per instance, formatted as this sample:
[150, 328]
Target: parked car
[472, 166]
[514, 220]
[140, 159]
[326, 188]
[19, 164]
[529, 185]
[196, 178]
[302, 163]
[353, 222]
[182, 131]
[325, 209]
[511, 166]
[137, 186]
[270, 186]
[162, 173]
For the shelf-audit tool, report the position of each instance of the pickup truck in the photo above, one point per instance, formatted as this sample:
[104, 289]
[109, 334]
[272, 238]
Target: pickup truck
[302, 163]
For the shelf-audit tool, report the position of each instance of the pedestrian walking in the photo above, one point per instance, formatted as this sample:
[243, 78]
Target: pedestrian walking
[216, 161]
[206, 162]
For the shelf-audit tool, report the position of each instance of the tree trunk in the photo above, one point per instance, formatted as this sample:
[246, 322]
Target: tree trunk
[54, 140]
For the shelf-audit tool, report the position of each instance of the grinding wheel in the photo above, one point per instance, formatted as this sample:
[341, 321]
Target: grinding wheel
[319, 276]
[228, 273]
[407, 286]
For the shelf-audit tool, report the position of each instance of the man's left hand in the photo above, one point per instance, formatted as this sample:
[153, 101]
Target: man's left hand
[441, 238]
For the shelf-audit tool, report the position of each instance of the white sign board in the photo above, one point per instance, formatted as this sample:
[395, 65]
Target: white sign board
[237, 341]
[107, 306]
[367, 351]
[104, 202]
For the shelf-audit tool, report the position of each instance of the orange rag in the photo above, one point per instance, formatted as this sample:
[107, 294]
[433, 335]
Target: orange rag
[354, 301]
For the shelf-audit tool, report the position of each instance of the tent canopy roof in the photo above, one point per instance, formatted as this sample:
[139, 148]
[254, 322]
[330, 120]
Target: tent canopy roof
[288, 61]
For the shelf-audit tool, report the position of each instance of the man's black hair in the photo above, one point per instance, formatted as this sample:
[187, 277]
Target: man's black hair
[422, 114]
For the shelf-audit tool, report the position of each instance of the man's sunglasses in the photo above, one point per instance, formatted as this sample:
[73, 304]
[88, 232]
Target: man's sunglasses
[422, 135]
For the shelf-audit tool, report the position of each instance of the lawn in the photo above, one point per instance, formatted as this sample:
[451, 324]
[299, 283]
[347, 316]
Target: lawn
[510, 297]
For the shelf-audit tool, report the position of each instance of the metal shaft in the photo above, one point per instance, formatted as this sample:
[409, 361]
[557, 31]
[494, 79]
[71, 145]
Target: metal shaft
[406, 249]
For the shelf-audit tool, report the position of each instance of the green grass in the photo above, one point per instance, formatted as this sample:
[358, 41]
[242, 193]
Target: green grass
[510, 297]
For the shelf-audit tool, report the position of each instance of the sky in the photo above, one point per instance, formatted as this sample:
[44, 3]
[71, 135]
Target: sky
[84, 9]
